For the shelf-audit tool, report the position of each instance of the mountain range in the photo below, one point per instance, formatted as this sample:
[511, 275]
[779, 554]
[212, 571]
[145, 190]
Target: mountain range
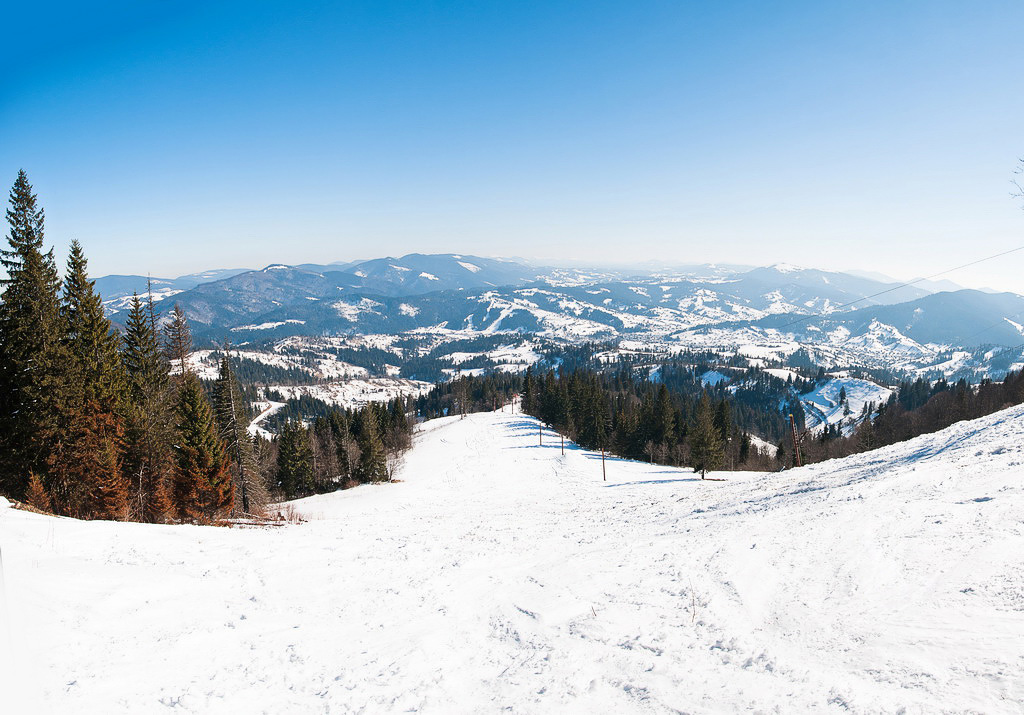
[691, 305]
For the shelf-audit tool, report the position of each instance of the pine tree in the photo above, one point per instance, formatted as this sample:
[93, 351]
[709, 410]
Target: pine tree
[145, 367]
[372, 457]
[663, 417]
[203, 488]
[93, 364]
[31, 377]
[723, 420]
[86, 479]
[178, 340]
[528, 401]
[706, 445]
[232, 423]
[86, 470]
[294, 461]
[36, 496]
[149, 462]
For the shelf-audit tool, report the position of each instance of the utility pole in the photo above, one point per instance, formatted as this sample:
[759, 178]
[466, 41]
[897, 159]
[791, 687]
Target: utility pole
[796, 445]
[604, 474]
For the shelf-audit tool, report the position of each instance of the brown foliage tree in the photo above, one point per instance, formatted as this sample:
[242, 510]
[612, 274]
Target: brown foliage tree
[36, 496]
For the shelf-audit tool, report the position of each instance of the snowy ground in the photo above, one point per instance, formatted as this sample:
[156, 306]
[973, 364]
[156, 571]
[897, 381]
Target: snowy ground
[266, 409]
[822, 404]
[357, 393]
[502, 576]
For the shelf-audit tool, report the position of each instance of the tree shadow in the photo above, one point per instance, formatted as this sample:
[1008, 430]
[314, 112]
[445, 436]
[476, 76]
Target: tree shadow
[655, 481]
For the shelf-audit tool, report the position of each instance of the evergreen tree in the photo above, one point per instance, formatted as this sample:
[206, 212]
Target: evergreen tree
[663, 417]
[723, 420]
[93, 364]
[149, 461]
[745, 444]
[36, 496]
[31, 377]
[529, 393]
[230, 410]
[86, 479]
[706, 446]
[177, 340]
[372, 457]
[203, 488]
[294, 461]
[144, 365]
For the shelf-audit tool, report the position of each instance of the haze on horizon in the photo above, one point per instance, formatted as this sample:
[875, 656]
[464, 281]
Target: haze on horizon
[172, 139]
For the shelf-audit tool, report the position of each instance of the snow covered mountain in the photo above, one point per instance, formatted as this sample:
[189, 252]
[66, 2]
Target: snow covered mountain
[845, 320]
[117, 290]
[215, 296]
[500, 575]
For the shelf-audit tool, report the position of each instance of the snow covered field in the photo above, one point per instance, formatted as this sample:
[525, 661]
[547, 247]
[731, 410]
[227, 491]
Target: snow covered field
[502, 576]
[823, 405]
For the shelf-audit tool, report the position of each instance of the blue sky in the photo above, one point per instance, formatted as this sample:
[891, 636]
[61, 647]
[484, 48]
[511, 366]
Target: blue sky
[171, 137]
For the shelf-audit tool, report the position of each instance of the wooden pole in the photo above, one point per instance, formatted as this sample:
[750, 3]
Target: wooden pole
[563, 444]
[796, 445]
[540, 434]
[604, 474]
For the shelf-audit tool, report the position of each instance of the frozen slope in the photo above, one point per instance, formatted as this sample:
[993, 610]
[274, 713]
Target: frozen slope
[502, 576]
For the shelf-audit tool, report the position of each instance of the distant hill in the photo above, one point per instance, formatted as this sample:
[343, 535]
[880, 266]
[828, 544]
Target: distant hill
[963, 318]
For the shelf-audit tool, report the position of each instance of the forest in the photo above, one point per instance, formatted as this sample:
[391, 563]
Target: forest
[97, 424]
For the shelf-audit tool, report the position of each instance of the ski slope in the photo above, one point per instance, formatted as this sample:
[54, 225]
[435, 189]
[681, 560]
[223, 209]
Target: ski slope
[503, 576]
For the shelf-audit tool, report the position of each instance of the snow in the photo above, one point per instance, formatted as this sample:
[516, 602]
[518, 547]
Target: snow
[502, 576]
[206, 366]
[116, 305]
[266, 408]
[822, 405]
[781, 373]
[471, 267]
[429, 276]
[357, 392]
[713, 377]
[270, 325]
[763, 445]
[410, 310]
[352, 311]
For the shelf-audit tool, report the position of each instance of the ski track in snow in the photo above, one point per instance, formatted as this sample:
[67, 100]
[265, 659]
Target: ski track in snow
[502, 576]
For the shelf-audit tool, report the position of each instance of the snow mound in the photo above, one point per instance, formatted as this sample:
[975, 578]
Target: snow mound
[501, 575]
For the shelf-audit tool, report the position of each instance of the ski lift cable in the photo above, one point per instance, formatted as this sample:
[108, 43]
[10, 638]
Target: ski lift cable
[905, 285]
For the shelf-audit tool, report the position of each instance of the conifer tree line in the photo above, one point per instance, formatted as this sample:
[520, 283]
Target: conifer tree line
[100, 425]
[678, 421]
[916, 408]
[341, 449]
[640, 420]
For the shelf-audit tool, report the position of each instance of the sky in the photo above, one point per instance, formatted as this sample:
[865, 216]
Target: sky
[173, 137]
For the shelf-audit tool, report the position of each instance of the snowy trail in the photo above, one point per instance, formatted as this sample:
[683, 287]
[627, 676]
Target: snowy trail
[500, 575]
[267, 408]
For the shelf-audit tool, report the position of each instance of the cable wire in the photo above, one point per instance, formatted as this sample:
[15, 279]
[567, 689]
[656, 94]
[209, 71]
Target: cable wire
[904, 285]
